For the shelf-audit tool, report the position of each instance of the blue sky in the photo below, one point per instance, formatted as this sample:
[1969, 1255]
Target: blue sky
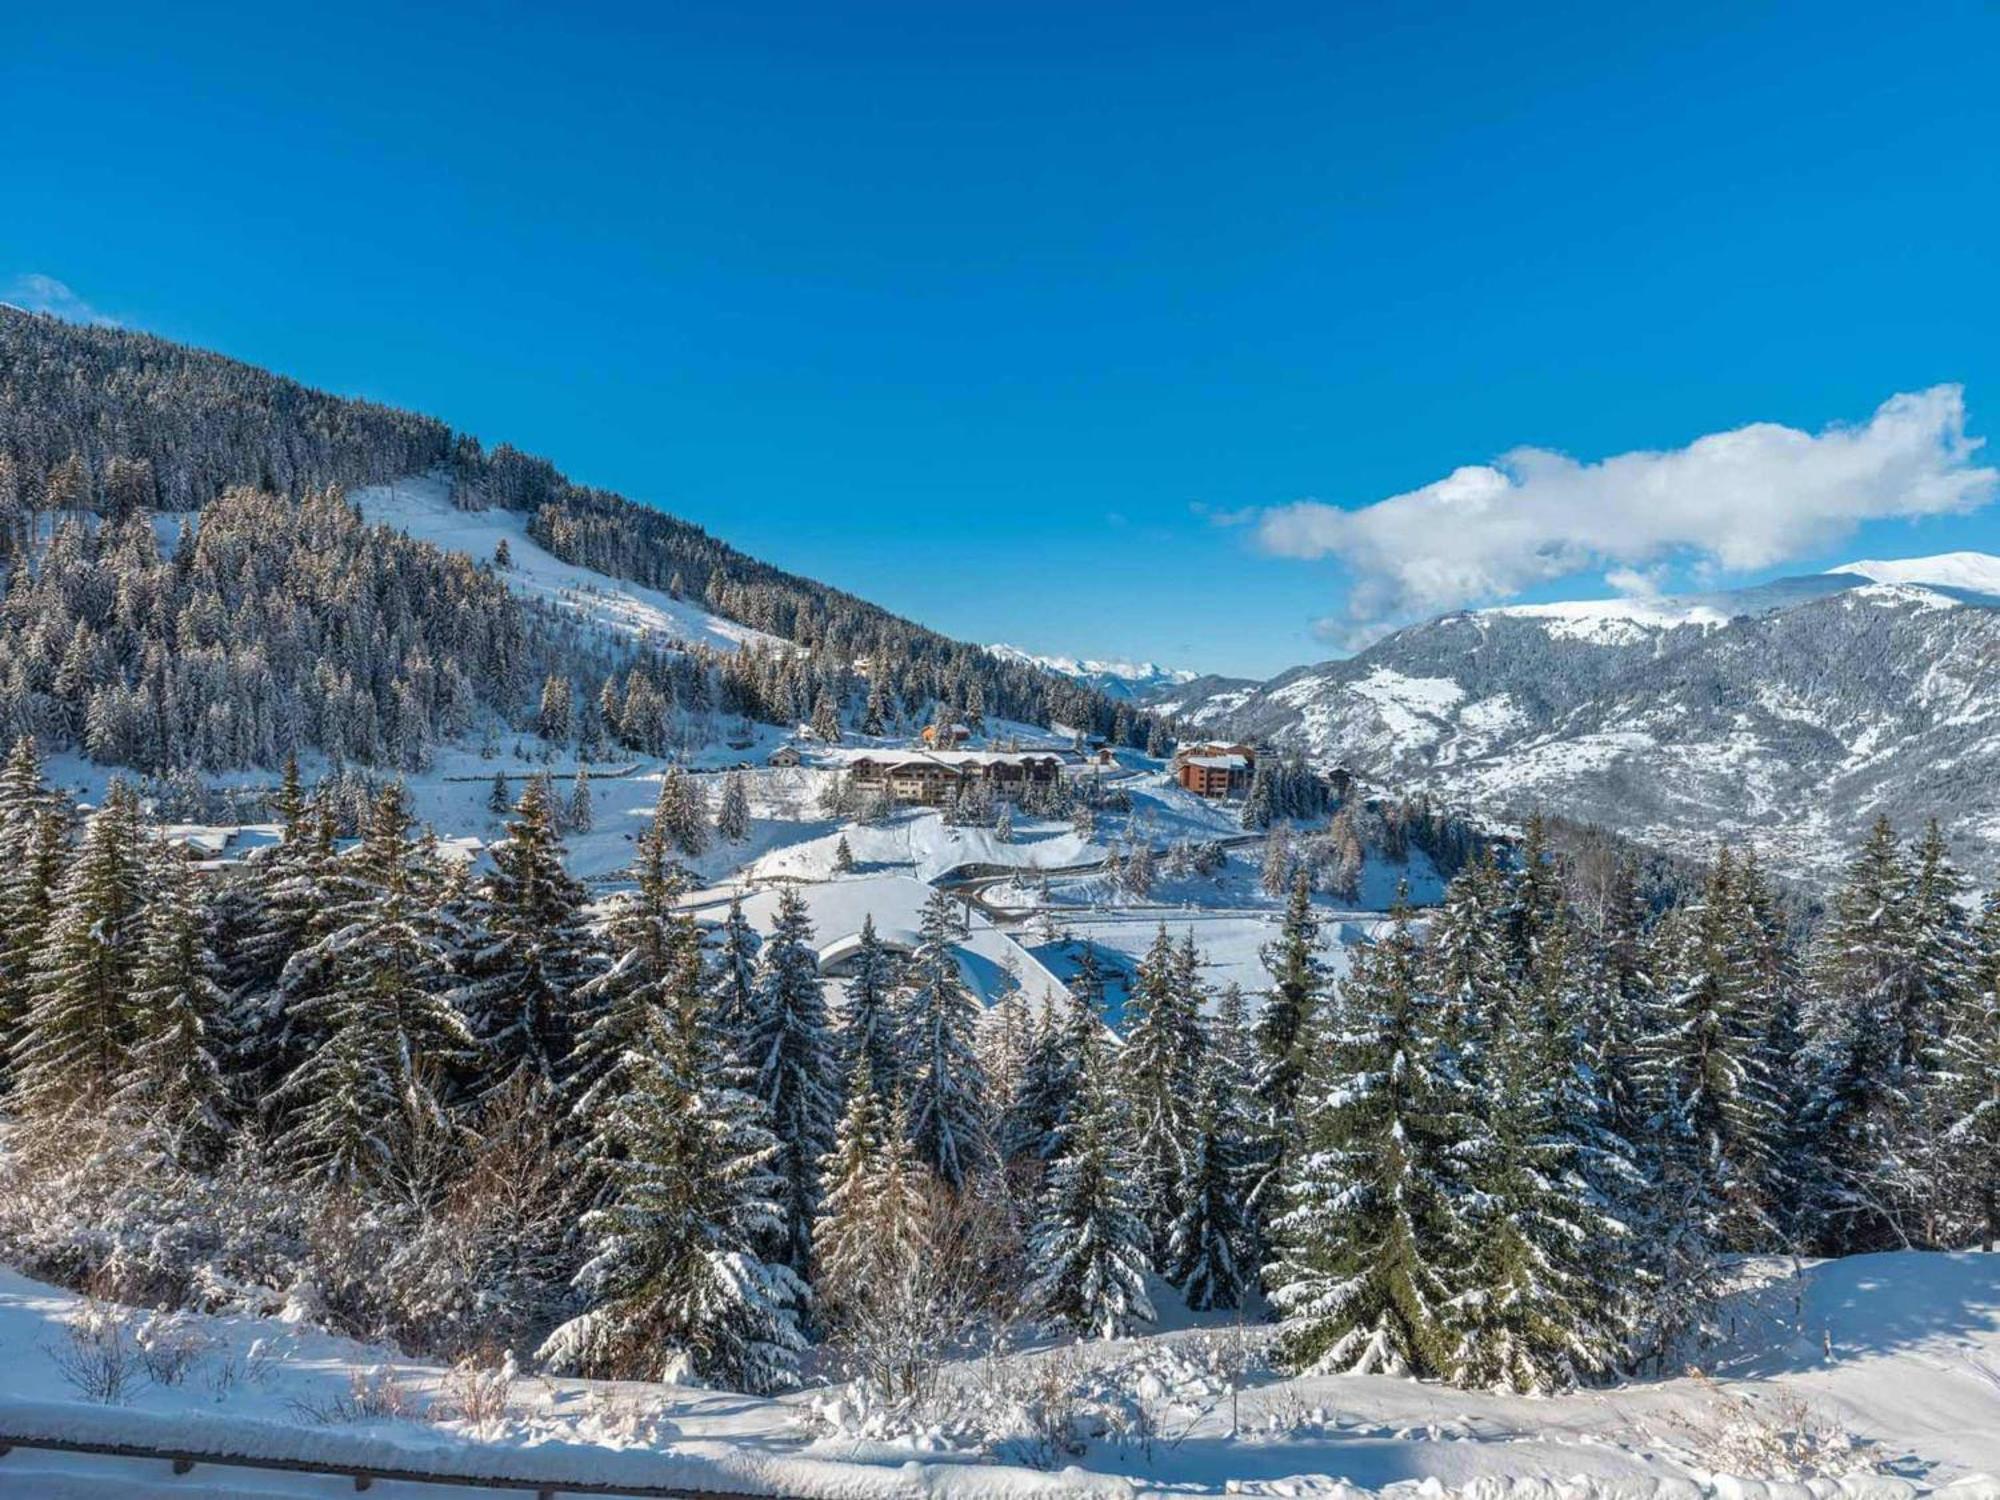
[1036, 321]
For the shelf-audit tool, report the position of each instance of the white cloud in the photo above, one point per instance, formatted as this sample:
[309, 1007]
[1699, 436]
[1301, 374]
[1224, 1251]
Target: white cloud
[1749, 498]
[34, 292]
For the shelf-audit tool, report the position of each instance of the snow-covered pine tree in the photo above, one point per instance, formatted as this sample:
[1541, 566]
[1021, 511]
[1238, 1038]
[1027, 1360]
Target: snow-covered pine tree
[34, 830]
[826, 719]
[682, 812]
[1159, 1071]
[172, 1085]
[531, 950]
[1624, 1004]
[557, 719]
[946, 1082]
[844, 1232]
[366, 1099]
[732, 817]
[1369, 1243]
[843, 857]
[1943, 969]
[677, 1283]
[1706, 1071]
[732, 983]
[868, 1229]
[871, 1026]
[875, 716]
[581, 813]
[1212, 1250]
[1260, 808]
[78, 1025]
[795, 1067]
[1965, 1092]
[1041, 1100]
[1297, 984]
[1087, 1252]
[1864, 1108]
[648, 942]
[499, 801]
[1544, 1307]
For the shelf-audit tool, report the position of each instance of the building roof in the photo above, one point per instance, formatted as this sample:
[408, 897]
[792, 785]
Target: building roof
[989, 959]
[1219, 762]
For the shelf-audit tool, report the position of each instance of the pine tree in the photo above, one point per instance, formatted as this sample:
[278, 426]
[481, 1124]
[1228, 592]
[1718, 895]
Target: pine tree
[947, 1084]
[867, 1229]
[875, 717]
[1546, 1310]
[845, 1237]
[1369, 1241]
[732, 983]
[173, 1082]
[1212, 1248]
[367, 1099]
[499, 800]
[796, 1078]
[1706, 1069]
[1160, 1070]
[871, 1030]
[79, 1021]
[732, 818]
[676, 1281]
[33, 832]
[826, 719]
[649, 941]
[1043, 1097]
[682, 812]
[1297, 978]
[581, 814]
[1088, 1249]
[557, 720]
[843, 857]
[532, 950]
[1965, 1090]
[1864, 1107]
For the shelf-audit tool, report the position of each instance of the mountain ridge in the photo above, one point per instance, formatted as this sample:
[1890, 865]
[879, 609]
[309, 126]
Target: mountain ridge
[1785, 716]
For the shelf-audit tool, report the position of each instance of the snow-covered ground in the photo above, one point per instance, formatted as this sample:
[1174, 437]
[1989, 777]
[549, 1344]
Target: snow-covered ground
[1886, 1369]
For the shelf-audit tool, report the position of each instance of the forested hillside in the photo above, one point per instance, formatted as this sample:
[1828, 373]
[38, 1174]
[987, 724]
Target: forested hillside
[97, 425]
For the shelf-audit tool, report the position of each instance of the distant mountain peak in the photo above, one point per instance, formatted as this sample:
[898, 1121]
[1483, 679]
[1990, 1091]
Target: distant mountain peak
[1126, 679]
[1976, 572]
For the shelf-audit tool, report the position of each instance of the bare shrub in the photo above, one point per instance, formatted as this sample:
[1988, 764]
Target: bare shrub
[170, 1345]
[376, 1394]
[254, 1366]
[98, 1357]
[1784, 1438]
[479, 1392]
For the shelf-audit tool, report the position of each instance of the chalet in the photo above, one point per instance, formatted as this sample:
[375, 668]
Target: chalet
[785, 755]
[934, 777]
[937, 737]
[1215, 770]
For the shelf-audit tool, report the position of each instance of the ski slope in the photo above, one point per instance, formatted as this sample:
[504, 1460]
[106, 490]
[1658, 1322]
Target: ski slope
[421, 506]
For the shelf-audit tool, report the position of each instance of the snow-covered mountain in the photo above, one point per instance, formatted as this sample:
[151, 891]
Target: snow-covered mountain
[1135, 681]
[1786, 715]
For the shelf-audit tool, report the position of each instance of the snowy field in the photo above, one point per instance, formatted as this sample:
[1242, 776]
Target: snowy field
[1884, 1370]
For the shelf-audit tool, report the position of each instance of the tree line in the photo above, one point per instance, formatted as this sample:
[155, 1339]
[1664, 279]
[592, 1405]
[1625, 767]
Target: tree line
[101, 424]
[1513, 1145]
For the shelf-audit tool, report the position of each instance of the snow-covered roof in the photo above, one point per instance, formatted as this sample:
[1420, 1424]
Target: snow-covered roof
[951, 759]
[1220, 762]
[987, 956]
